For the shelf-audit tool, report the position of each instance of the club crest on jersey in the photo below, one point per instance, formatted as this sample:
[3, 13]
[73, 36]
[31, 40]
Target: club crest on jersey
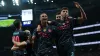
[49, 30]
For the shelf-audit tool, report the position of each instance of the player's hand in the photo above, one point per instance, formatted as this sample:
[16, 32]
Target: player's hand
[13, 40]
[38, 28]
[77, 4]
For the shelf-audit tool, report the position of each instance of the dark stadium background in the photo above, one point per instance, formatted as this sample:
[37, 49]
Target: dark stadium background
[91, 7]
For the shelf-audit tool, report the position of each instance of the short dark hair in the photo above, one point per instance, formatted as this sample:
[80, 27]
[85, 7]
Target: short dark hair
[42, 13]
[64, 8]
[58, 13]
[16, 23]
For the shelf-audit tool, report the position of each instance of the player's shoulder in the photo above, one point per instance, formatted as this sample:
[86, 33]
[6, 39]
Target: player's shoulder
[15, 33]
[51, 20]
[54, 21]
[70, 17]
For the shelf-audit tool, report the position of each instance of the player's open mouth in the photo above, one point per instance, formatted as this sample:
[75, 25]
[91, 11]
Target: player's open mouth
[44, 19]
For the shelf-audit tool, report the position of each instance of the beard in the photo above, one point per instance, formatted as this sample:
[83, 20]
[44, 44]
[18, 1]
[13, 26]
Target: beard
[44, 21]
[66, 15]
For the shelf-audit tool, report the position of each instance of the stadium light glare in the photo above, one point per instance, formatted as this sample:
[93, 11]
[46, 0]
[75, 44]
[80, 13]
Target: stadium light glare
[51, 1]
[47, 0]
[2, 3]
[86, 33]
[17, 2]
[34, 3]
[28, 1]
[9, 15]
[88, 26]
[14, 4]
[87, 43]
[31, 1]
[13, 1]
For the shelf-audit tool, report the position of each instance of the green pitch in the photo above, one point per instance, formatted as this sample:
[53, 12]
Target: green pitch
[6, 23]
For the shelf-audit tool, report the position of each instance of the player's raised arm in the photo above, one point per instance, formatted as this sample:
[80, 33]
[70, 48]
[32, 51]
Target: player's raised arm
[83, 15]
[14, 48]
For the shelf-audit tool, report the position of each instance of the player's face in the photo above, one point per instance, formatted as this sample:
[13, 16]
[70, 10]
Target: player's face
[43, 17]
[64, 13]
[58, 17]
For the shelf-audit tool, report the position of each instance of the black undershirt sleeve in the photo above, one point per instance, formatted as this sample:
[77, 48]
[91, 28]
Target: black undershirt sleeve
[75, 22]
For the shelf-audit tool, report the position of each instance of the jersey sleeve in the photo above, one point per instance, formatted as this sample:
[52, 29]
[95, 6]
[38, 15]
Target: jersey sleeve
[34, 33]
[75, 22]
[54, 23]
